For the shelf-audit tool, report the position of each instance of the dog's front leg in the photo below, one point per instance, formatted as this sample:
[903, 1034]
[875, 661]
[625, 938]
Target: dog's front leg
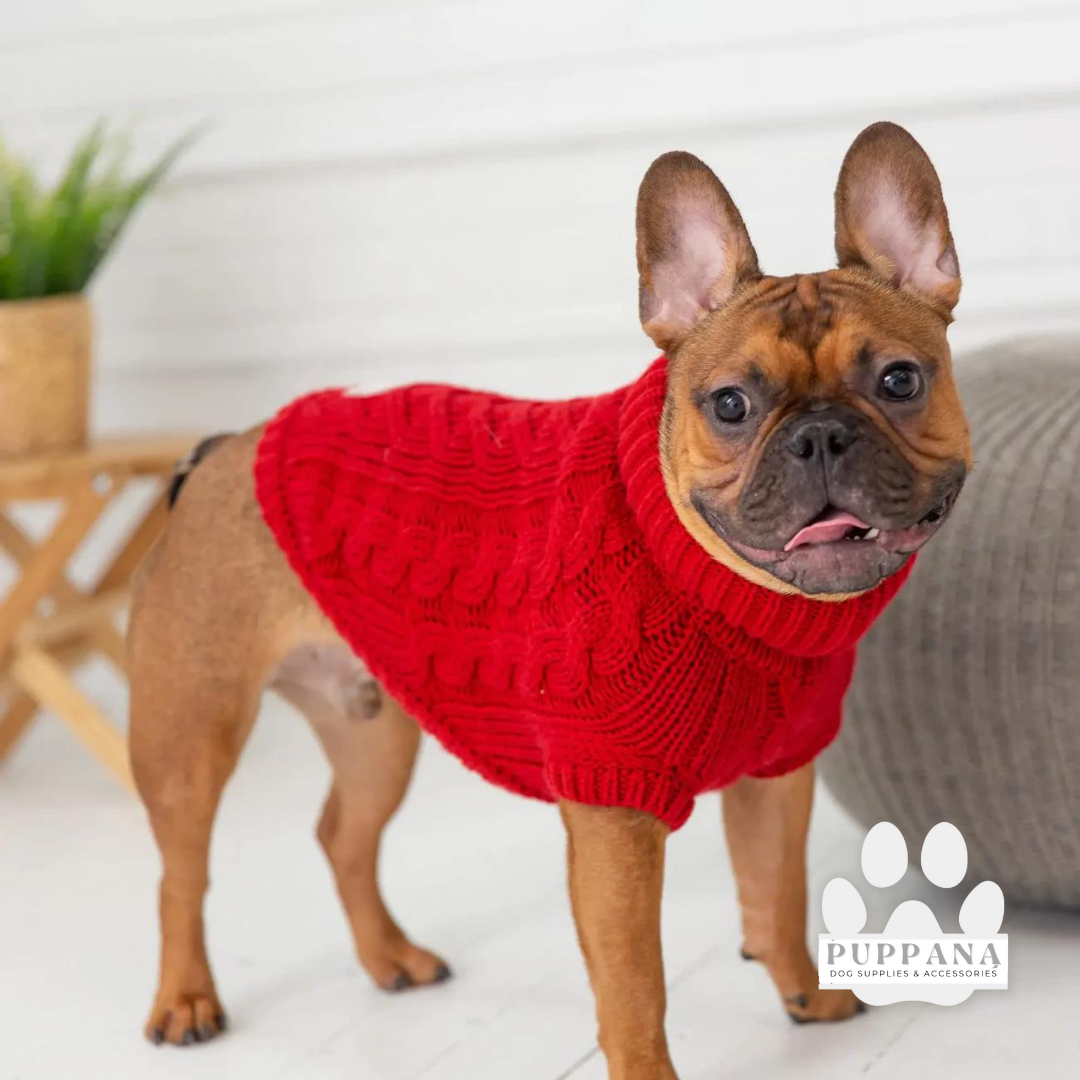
[616, 871]
[766, 822]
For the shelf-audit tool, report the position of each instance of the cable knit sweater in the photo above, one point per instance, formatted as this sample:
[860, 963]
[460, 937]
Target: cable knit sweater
[514, 574]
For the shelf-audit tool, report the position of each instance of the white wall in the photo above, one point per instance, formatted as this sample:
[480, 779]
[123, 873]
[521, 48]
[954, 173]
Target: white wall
[397, 190]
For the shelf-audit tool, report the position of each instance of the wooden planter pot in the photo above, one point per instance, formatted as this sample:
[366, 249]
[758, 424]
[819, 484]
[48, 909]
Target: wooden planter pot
[45, 347]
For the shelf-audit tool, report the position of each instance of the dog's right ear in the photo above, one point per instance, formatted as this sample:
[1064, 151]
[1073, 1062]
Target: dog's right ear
[891, 217]
[692, 247]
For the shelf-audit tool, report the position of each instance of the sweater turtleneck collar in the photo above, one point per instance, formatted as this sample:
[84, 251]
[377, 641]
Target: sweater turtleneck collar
[793, 625]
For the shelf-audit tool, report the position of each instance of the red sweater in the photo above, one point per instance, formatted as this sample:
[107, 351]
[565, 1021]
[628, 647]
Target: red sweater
[514, 574]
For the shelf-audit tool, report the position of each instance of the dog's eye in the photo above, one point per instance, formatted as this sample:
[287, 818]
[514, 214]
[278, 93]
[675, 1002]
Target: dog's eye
[900, 382]
[732, 406]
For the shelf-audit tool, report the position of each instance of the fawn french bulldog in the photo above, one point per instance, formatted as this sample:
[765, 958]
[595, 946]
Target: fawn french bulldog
[613, 603]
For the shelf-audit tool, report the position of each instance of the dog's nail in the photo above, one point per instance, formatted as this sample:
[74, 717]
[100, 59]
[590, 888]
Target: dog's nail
[860, 1007]
[205, 1032]
[157, 1036]
[747, 955]
[222, 1021]
[442, 973]
[402, 982]
[188, 1037]
[798, 999]
[800, 1019]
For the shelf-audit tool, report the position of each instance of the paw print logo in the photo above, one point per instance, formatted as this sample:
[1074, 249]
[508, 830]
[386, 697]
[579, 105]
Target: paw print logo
[912, 928]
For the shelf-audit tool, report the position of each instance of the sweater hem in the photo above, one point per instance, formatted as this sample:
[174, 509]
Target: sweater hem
[654, 791]
[794, 761]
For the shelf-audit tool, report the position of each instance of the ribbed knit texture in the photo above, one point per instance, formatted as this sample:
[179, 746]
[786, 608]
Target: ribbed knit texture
[514, 574]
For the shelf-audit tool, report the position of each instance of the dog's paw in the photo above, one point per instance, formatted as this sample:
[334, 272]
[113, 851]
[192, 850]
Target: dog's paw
[823, 1005]
[944, 862]
[397, 965]
[185, 1019]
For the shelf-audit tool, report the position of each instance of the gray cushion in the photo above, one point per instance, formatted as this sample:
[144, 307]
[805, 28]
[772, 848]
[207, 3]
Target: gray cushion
[966, 700]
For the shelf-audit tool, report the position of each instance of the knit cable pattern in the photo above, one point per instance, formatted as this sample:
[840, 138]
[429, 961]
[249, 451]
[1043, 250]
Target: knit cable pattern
[514, 574]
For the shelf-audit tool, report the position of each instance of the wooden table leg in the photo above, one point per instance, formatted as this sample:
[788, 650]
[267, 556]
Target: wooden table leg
[45, 566]
[45, 679]
[16, 720]
[107, 639]
[21, 548]
[38, 645]
[42, 570]
[105, 636]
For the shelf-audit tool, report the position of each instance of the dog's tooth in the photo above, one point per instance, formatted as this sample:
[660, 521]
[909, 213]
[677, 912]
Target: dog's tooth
[872, 534]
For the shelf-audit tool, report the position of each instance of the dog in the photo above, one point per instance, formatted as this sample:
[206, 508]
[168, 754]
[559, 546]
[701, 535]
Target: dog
[612, 603]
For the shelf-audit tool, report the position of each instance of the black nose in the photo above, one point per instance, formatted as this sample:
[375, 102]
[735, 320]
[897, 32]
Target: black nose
[821, 436]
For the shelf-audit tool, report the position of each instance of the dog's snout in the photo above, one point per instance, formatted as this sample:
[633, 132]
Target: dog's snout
[821, 436]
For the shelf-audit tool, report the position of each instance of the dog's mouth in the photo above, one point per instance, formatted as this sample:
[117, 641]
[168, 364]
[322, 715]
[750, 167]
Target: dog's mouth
[832, 526]
[837, 551]
[835, 526]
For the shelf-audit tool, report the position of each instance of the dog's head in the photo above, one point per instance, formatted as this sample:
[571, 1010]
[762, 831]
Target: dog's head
[812, 437]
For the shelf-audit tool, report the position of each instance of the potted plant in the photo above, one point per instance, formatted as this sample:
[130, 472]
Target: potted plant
[51, 244]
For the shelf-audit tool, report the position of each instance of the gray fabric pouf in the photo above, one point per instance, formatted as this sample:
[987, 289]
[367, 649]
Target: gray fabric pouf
[966, 700]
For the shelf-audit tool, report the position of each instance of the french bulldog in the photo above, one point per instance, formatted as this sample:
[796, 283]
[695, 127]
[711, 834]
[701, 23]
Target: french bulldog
[810, 439]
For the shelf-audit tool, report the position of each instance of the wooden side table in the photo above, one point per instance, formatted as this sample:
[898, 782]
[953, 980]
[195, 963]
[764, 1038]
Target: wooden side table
[47, 624]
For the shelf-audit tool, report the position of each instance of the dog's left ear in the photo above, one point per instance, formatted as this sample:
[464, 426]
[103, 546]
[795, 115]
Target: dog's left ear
[891, 217]
[692, 247]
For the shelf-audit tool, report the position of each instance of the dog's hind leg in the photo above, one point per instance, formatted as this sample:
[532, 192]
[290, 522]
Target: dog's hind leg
[371, 744]
[186, 739]
[213, 601]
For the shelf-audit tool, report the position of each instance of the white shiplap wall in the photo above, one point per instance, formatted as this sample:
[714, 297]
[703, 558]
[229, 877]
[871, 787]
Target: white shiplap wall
[424, 189]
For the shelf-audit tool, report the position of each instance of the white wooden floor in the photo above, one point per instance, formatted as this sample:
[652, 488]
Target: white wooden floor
[478, 875]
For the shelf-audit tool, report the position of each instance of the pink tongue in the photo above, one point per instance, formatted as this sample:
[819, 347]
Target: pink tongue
[832, 527]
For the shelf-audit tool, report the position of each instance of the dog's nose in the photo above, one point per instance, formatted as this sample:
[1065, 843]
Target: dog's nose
[821, 436]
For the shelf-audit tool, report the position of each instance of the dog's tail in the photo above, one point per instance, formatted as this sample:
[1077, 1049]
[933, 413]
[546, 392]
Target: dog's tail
[190, 460]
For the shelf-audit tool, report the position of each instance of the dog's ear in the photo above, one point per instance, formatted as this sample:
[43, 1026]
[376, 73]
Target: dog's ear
[692, 247]
[891, 218]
